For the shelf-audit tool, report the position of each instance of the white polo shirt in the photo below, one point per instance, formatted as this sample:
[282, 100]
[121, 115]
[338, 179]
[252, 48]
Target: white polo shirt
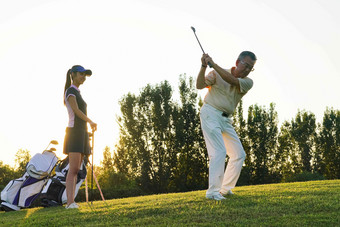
[224, 96]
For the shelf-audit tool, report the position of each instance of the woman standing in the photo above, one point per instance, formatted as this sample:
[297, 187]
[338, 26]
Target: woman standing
[76, 143]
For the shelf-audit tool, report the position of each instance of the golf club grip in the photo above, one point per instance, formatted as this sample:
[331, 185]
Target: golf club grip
[209, 64]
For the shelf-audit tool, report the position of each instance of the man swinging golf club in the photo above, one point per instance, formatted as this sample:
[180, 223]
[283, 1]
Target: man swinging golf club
[226, 87]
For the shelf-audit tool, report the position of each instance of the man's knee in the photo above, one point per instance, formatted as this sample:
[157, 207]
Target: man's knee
[241, 156]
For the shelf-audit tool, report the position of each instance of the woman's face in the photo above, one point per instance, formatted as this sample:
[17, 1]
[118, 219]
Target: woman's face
[79, 78]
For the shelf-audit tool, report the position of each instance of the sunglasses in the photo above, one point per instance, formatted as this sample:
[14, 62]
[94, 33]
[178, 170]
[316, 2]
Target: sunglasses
[250, 67]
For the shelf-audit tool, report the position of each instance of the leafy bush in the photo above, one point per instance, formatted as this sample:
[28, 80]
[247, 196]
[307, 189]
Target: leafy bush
[304, 176]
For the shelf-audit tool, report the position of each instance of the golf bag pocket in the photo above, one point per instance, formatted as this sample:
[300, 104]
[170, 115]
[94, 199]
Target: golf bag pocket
[21, 192]
[41, 165]
[54, 192]
[29, 191]
[10, 191]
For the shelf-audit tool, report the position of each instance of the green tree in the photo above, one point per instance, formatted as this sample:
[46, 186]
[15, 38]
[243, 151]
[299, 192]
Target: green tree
[22, 157]
[241, 129]
[107, 162]
[7, 174]
[329, 144]
[287, 157]
[262, 134]
[147, 134]
[191, 169]
[304, 133]
[114, 184]
[161, 145]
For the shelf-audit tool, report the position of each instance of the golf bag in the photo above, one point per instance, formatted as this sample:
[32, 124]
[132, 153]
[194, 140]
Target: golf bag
[54, 193]
[21, 192]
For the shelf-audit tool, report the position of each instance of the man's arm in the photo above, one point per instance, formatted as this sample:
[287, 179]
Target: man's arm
[200, 82]
[225, 75]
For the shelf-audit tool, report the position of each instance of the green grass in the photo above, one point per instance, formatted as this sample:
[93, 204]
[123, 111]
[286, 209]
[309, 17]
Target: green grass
[313, 203]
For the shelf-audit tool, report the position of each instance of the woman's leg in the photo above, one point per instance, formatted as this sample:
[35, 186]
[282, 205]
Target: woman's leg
[75, 160]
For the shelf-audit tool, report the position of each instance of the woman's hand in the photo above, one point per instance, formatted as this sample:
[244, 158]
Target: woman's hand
[93, 126]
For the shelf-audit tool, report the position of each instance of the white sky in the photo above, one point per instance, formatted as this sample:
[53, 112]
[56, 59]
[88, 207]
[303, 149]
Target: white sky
[130, 43]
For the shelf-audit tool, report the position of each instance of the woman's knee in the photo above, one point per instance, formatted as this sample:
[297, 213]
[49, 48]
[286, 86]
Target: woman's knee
[73, 170]
[72, 173]
[74, 163]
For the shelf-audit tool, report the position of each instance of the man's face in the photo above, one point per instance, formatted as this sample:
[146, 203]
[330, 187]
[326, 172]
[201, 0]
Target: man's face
[244, 67]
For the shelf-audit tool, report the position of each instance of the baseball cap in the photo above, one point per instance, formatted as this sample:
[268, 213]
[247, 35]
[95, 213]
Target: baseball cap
[79, 68]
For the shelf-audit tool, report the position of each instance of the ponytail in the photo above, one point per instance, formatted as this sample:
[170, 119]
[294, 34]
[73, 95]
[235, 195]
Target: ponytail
[68, 82]
[68, 79]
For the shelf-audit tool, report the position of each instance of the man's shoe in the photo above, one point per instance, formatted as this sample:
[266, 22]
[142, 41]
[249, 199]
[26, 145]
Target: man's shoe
[229, 192]
[217, 197]
[72, 206]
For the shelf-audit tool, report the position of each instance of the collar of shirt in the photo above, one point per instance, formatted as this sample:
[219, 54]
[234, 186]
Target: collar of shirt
[232, 70]
[75, 87]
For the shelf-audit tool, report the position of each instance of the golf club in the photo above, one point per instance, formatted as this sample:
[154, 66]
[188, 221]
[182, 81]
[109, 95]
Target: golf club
[194, 30]
[93, 175]
[92, 143]
[54, 142]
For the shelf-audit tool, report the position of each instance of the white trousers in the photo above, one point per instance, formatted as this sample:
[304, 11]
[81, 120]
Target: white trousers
[221, 139]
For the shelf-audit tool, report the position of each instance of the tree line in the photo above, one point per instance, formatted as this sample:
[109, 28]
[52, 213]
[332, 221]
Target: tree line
[161, 147]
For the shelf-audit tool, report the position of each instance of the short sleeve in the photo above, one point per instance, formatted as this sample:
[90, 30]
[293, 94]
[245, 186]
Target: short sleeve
[70, 92]
[210, 79]
[245, 84]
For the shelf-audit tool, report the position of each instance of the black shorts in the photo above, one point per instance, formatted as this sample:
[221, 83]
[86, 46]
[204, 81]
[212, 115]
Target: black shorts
[77, 140]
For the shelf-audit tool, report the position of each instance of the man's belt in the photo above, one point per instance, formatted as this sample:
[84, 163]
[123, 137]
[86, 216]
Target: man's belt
[227, 115]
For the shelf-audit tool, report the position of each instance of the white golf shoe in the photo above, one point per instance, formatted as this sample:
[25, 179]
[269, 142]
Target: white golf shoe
[217, 197]
[229, 192]
[72, 206]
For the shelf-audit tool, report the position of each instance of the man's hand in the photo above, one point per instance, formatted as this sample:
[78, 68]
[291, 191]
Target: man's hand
[208, 60]
[200, 82]
[204, 63]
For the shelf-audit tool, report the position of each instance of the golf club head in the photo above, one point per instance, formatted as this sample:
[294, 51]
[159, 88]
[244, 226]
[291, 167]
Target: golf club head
[54, 142]
[194, 30]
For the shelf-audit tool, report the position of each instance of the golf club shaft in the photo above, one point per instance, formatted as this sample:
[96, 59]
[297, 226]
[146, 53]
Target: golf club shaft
[199, 42]
[194, 30]
[92, 167]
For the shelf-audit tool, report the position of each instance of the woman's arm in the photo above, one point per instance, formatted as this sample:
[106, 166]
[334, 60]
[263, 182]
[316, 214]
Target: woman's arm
[73, 103]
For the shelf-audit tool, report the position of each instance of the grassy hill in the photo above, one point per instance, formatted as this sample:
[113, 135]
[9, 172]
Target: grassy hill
[313, 203]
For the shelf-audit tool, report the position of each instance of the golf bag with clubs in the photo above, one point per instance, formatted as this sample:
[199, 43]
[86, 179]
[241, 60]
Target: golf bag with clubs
[54, 193]
[20, 193]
